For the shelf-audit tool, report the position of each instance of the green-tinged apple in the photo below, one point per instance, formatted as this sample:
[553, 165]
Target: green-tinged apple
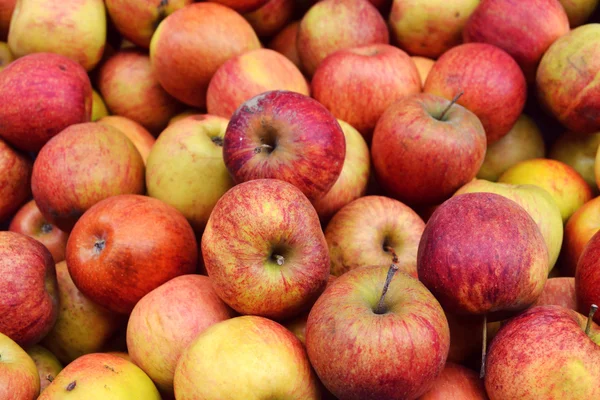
[73, 29]
[99, 376]
[358, 84]
[82, 326]
[99, 109]
[42, 94]
[250, 74]
[271, 17]
[29, 301]
[165, 321]
[423, 65]
[332, 25]
[19, 377]
[125, 246]
[568, 188]
[568, 82]
[247, 357]
[15, 180]
[285, 135]
[587, 277]
[139, 136]
[493, 84]
[82, 165]
[579, 11]
[544, 353]
[523, 142]
[46, 364]
[425, 148]
[579, 229]
[285, 43]
[578, 151]
[6, 56]
[258, 260]
[30, 221]
[205, 35]
[560, 292]
[456, 383]
[6, 10]
[186, 169]
[431, 27]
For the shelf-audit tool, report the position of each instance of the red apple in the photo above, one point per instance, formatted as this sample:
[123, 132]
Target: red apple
[271, 17]
[15, 181]
[19, 378]
[285, 43]
[242, 6]
[456, 382]
[6, 10]
[579, 229]
[139, 136]
[587, 277]
[559, 292]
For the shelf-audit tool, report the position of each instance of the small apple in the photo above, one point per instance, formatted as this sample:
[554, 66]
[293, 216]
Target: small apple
[587, 277]
[285, 43]
[19, 377]
[579, 229]
[456, 382]
[46, 363]
[423, 65]
[99, 109]
[15, 180]
[560, 292]
[271, 17]
[139, 136]
[578, 151]
[6, 56]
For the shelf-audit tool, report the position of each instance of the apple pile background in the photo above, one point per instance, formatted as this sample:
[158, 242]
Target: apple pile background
[203, 200]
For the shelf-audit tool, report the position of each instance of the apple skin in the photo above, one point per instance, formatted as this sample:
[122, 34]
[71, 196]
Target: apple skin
[166, 320]
[285, 43]
[242, 6]
[493, 84]
[554, 358]
[566, 80]
[456, 382]
[560, 292]
[15, 181]
[19, 377]
[332, 25]
[139, 136]
[579, 11]
[46, 364]
[578, 151]
[99, 109]
[344, 330]
[358, 84]
[30, 221]
[29, 300]
[579, 229]
[57, 88]
[127, 245]
[271, 17]
[6, 56]
[82, 165]
[6, 10]
[308, 145]
[502, 256]
[420, 159]
[195, 34]
[587, 277]
[423, 65]
[249, 74]
[524, 30]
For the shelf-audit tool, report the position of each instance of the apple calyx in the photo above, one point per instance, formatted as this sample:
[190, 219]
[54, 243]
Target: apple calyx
[380, 309]
[483, 348]
[452, 102]
[218, 141]
[279, 259]
[49, 378]
[99, 246]
[588, 326]
[46, 228]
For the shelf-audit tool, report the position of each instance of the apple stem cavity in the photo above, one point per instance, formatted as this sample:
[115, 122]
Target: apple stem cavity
[454, 100]
[218, 141]
[588, 326]
[267, 147]
[483, 348]
[380, 309]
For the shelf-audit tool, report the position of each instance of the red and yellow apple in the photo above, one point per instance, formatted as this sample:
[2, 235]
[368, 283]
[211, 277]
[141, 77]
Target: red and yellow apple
[285, 43]
[423, 65]
[578, 151]
[19, 377]
[271, 17]
[139, 136]
[46, 364]
[587, 277]
[579, 229]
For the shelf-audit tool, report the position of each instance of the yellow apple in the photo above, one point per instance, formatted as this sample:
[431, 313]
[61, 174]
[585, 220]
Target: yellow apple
[98, 107]
[578, 151]
[46, 363]
[424, 65]
[19, 377]
[6, 57]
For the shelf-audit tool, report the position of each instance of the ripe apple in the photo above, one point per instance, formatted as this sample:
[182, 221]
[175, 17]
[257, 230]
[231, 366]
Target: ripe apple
[423, 65]
[587, 277]
[579, 11]
[560, 292]
[205, 35]
[565, 79]
[6, 56]
[358, 84]
[243, 6]
[456, 382]
[249, 74]
[46, 363]
[578, 151]
[332, 25]
[288, 136]
[426, 147]
[285, 43]
[139, 136]
[29, 303]
[99, 109]
[15, 180]
[6, 11]
[19, 377]
[271, 17]
[82, 165]
[579, 229]
[54, 87]
[127, 245]
[494, 86]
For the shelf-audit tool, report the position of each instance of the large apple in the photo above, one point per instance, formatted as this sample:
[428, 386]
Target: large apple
[587, 277]
[46, 364]
[271, 17]
[578, 151]
[456, 382]
[560, 292]
[15, 180]
[19, 377]
[285, 43]
[425, 147]
[288, 136]
[579, 229]
[139, 136]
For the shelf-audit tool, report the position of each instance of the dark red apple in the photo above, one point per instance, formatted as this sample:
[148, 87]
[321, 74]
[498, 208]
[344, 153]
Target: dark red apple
[560, 292]
[15, 179]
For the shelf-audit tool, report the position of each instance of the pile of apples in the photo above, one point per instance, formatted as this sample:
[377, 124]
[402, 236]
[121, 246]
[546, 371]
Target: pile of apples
[299, 199]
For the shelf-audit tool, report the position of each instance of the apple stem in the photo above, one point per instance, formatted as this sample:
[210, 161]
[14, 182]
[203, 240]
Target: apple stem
[483, 347]
[454, 100]
[259, 148]
[393, 268]
[588, 326]
[279, 259]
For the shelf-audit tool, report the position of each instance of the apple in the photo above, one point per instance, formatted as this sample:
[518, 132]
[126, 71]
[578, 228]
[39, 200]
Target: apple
[127, 245]
[544, 353]
[456, 382]
[228, 360]
[30, 221]
[429, 28]
[565, 80]
[52, 86]
[46, 363]
[285, 135]
[249, 74]
[15, 181]
[332, 25]
[82, 326]
[358, 84]
[120, 354]
[184, 114]
[75, 30]
[99, 109]
[494, 86]
[285, 43]
[579, 11]
[271, 17]
[578, 151]
[29, 303]
[99, 376]
[423, 65]
[579, 229]
[19, 377]
[83, 164]
[587, 277]
[6, 10]
[6, 57]
[560, 292]
[426, 147]
[139, 136]
[243, 6]
[205, 35]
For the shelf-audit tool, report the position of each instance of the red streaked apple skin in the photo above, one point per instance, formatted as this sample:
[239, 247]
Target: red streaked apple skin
[587, 277]
[456, 383]
[558, 291]
[15, 180]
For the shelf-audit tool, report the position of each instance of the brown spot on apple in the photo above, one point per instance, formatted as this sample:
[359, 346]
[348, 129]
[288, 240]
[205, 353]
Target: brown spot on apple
[71, 386]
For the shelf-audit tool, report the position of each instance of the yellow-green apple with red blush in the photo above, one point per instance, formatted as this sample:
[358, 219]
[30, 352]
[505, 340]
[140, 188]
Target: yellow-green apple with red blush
[423, 65]
[249, 74]
[578, 151]
[332, 25]
[82, 326]
[99, 109]
[186, 169]
[195, 33]
[358, 84]
[425, 147]
[99, 376]
[579, 11]
[544, 353]
[587, 277]
[29, 301]
[139, 136]
[6, 10]
[83, 164]
[579, 229]
[285, 43]
[563, 182]
[567, 79]
[165, 321]
[558, 291]
[46, 364]
[285, 135]
[456, 382]
[6, 56]
[271, 17]
[55, 87]
[19, 377]
[15, 181]
[127, 245]
[492, 83]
